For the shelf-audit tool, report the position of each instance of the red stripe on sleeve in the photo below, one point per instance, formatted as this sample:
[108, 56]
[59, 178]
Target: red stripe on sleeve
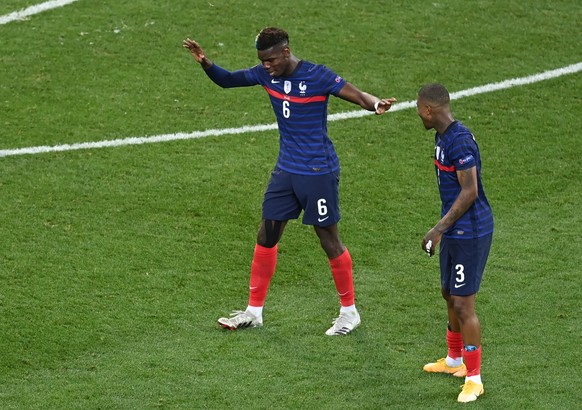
[444, 167]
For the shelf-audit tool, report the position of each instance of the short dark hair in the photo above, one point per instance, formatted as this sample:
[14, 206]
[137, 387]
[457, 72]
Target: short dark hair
[435, 93]
[271, 36]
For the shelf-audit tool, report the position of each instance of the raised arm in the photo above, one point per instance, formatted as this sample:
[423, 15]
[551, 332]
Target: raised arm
[367, 101]
[198, 53]
[220, 76]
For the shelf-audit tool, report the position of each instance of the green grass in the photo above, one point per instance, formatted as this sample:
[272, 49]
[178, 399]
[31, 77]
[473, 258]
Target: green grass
[115, 263]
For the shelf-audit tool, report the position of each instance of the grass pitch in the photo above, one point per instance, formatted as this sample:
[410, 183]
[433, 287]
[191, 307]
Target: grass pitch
[115, 263]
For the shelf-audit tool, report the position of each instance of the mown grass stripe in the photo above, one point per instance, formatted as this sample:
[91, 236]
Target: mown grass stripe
[487, 88]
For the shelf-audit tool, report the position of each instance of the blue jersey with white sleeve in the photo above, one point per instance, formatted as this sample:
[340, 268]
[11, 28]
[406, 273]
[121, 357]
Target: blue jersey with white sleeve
[300, 103]
[456, 149]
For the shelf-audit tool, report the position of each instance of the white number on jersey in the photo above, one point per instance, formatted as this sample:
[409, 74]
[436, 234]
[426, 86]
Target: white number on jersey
[321, 208]
[286, 110]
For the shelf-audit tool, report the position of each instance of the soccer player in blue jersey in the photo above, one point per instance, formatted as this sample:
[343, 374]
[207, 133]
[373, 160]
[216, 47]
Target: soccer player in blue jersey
[464, 231]
[306, 175]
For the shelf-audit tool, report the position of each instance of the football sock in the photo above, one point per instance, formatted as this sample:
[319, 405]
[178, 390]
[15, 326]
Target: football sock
[474, 379]
[455, 348]
[262, 270]
[472, 357]
[257, 311]
[454, 362]
[341, 269]
[348, 309]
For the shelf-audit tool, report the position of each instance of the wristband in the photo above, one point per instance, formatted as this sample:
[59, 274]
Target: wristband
[376, 104]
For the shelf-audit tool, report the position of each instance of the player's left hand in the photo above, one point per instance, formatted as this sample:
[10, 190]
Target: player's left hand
[384, 105]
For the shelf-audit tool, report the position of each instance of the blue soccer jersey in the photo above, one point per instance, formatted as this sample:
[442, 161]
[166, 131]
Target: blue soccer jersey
[456, 149]
[300, 104]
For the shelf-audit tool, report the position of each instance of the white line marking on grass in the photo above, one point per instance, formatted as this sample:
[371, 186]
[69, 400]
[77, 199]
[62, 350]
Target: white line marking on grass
[546, 75]
[29, 11]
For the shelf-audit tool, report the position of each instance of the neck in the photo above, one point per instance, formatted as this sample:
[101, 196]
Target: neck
[444, 123]
[293, 61]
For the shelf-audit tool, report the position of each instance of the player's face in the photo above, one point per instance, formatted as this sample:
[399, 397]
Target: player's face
[275, 60]
[424, 112]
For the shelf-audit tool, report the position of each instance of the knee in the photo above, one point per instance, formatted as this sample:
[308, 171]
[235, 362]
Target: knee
[332, 248]
[463, 308]
[269, 233]
[330, 241]
[446, 296]
[268, 243]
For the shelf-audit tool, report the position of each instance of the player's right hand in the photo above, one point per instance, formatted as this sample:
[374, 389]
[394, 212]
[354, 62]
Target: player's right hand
[195, 49]
[384, 105]
[430, 241]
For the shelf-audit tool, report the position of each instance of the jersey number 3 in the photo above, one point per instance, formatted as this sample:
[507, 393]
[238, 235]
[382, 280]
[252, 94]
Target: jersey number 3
[460, 275]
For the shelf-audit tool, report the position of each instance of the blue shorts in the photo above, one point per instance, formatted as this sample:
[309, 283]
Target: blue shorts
[317, 195]
[462, 264]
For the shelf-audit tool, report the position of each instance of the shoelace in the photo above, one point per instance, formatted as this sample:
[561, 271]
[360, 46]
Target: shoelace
[341, 321]
[241, 317]
[236, 313]
[468, 384]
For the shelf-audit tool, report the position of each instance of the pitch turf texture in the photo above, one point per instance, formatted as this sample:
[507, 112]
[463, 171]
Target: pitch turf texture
[115, 263]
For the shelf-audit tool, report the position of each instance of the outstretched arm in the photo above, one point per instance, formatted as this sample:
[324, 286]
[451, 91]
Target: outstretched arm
[367, 101]
[219, 75]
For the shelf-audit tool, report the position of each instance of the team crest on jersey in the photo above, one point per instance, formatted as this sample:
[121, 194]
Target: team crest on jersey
[287, 87]
[302, 87]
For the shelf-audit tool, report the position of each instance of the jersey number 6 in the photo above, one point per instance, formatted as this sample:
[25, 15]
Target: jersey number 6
[286, 110]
